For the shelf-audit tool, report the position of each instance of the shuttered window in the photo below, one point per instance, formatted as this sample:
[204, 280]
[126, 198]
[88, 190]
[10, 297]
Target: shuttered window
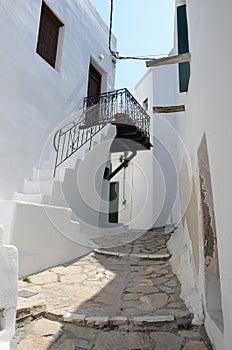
[48, 35]
[183, 47]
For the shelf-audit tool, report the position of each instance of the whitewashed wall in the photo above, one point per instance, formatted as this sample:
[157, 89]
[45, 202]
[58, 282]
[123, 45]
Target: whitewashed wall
[158, 86]
[151, 178]
[208, 109]
[207, 115]
[8, 292]
[35, 97]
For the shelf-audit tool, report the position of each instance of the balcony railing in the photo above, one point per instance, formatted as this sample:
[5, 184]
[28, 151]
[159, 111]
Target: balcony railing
[116, 107]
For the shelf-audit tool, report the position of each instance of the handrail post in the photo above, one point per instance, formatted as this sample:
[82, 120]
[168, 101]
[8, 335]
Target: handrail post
[57, 150]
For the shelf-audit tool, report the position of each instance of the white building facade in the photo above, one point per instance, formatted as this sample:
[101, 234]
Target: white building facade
[36, 96]
[62, 120]
[53, 55]
[201, 245]
[205, 131]
[148, 187]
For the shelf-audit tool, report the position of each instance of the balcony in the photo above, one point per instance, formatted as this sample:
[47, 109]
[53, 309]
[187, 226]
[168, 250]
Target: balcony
[119, 108]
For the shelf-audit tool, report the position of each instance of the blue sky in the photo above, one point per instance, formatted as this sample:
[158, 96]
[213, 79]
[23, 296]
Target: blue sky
[142, 28]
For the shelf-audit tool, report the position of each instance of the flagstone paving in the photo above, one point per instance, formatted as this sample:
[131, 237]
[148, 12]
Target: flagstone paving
[126, 297]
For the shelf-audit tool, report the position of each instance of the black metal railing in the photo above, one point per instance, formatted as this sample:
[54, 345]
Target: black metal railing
[72, 137]
[118, 107]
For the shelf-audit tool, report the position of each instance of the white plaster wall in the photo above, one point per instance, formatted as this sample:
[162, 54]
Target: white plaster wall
[35, 97]
[142, 191]
[152, 176]
[84, 190]
[8, 292]
[158, 84]
[124, 209]
[45, 236]
[180, 246]
[138, 211]
[145, 89]
[77, 210]
[208, 109]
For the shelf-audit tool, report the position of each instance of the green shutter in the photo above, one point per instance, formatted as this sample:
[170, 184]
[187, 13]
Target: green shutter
[183, 47]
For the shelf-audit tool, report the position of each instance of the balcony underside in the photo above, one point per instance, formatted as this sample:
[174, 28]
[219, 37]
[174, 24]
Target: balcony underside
[130, 138]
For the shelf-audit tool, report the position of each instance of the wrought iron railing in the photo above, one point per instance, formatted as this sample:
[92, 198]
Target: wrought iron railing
[72, 137]
[118, 107]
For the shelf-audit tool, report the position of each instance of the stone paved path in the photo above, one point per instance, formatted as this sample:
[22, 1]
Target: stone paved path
[122, 298]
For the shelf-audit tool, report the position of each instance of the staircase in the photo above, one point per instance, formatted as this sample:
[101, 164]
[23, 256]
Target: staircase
[65, 203]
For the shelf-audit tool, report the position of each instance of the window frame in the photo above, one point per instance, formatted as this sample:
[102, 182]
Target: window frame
[48, 35]
[145, 104]
[183, 47]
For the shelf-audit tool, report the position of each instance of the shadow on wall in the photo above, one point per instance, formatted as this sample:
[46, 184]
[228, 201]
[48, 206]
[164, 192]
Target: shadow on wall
[169, 172]
[212, 274]
[190, 215]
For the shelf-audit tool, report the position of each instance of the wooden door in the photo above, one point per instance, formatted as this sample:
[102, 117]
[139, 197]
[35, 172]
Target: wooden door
[94, 90]
[94, 85]
[114, 202]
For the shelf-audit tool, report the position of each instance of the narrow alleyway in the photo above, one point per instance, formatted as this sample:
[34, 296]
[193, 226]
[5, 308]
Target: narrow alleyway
[121, 298]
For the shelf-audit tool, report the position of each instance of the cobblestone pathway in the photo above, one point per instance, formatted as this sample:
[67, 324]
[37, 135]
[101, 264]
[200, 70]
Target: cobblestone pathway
[123, 298]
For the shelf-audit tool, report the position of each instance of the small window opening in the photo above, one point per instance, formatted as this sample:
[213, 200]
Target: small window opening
[183, 47]
[48, 35]
[145, 104]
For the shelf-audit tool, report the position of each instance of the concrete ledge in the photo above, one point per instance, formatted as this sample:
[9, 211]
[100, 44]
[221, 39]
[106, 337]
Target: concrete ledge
[132, 255]
[100, 322]
[152, 319]
[74, 318]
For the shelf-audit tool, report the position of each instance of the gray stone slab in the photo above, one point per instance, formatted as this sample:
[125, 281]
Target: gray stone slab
[133, 305]
[97, 320]
[152, 319]
[195, 345]
[26, 293]
[158, 256]
[118, 320]
[111, 340]
[83, 344]
[166, 341]
[74, 318]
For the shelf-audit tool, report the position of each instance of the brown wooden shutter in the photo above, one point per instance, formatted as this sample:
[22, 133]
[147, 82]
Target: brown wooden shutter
[48, 35]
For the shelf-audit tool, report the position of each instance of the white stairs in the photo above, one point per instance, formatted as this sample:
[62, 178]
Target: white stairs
[54, 219]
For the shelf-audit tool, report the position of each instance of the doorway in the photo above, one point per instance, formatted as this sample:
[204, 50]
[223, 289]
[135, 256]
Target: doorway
[113, 205]
[94, 84]
[94, 90]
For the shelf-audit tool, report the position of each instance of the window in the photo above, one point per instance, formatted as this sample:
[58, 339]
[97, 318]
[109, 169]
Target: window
[145, 104]
[48, 35]
[183, 47]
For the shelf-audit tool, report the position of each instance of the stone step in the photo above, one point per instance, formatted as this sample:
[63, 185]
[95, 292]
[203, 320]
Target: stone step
[36, 198]
[53, 335]
[47, 174]
[47, 164]
[35, 187]
[27, 314]
[42, 174]
[123, 323]
[157, 257]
